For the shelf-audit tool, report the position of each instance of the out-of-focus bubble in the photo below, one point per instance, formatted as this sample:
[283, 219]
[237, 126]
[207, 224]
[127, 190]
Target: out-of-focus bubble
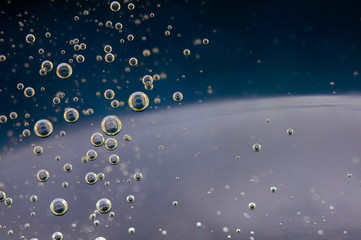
[109, 57]
[13, 115]
[91, 155]
[56, 100]
[29, 92]
[8, 201]
[89, 111]
[97, 139]
[111, 214]
[30, 38]
[43, 128]
[111, 125]
[138, 101]
[62, 133]
[71, 115]
[290, 131]
[118, 26]
[47, 66]
[64, 184]
[108, 48]
[115, 6]
[2, 196]
[101, 176]
[146, 53]
[64, 70]
[67, 167]
[131, 6]
[108, 24]
[147, 79]
[130, 37]
[80, 58]
[114, 104]
[57, 236]
[26, 133]
[111, 144]
[114, 159]
[127, 138]
[138, 176]
[100, 238]
[131, 230]
[109, 94]
[252, 206]
[3, 119]
[91, 178]
[104, 205]
[186, 52]
[42, 175]
[58, 206]
[130, 199]
[38, 150]
[133, 61]
[2, 58]
[156, 77]
[33, 198]
[20, 86]
[256, 147]
[148, 87]
[177, 96]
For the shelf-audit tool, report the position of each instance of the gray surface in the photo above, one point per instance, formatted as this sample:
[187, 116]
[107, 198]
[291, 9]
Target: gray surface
[201, 142]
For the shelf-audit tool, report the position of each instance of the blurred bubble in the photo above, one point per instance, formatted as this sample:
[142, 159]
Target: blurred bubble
[43, 128]
[91, 178]
[186, 52]
[47, 66]
[71, 115]
[58, 206]
[290, 131]
[33, 198]
[131, 6]
[2, 196]
[29, 92]
[57, 236]
[111, 144]
[256, 147]
[8, 201]
[109, 57]
[3, 119]
[91, 155]
[147, 79]
[131, 230]
[30, 38]
[130, 199]
[111, 125]
[104, 205]
[138, 101]
[38, 150]
[42, 175]
[138, 176]
[97, 139]
[252, 206]
[64, 70]
[177, 96]
[273, 189]
[67, 167]
[107, 48]
[114, 159]
[109, 94]
[133, 61]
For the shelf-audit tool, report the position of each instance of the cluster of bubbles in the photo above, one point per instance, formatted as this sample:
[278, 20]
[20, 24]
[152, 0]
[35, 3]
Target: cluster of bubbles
[110, 126]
